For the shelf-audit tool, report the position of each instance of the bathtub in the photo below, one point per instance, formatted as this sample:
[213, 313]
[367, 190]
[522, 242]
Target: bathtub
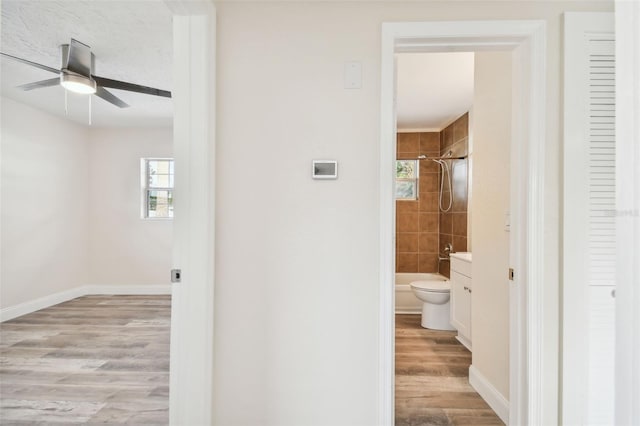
[406, 302]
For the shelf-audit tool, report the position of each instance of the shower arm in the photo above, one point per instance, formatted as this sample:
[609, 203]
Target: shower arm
[424, 157]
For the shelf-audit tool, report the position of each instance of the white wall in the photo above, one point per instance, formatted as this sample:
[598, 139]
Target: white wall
[124, 248]
[491, 180]
[71, 207]
[296, 303]
[44, 204]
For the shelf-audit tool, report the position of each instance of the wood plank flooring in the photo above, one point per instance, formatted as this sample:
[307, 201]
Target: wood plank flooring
[95, 359]
[432, 379]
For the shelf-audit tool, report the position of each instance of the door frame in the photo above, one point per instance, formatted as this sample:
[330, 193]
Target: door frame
[627, 29]
[533, 381]
[192, 307]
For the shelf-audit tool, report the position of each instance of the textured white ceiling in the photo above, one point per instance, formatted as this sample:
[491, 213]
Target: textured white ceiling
[433, 89]
[132, 41]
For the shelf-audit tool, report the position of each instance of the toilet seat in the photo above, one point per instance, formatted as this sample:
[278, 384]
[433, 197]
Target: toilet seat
[433, 286]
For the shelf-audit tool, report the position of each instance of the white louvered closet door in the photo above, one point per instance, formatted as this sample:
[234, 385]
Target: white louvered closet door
[589, 244]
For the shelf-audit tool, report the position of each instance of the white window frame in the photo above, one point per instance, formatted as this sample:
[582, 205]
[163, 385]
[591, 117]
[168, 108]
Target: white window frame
[415, 180]
[144, 187]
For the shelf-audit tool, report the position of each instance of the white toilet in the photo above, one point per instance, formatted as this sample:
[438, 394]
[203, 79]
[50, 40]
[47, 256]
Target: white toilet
[434, 295]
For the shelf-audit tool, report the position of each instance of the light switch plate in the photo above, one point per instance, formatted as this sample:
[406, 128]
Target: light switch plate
[353, 75]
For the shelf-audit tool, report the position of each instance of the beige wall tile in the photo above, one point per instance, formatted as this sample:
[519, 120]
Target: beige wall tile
[406, 206]
[445, 223]
[408, 142]
[459, 224]
[459, 243]
[429, 182]
[446, 138]
[444, 239]
[407, 155]
[444, 269]
[407, 262]
[427, 166]
[428, 242]
[407, 242]
[428, 263]
[429, 143]
[461, 128]
[407, 222]
[428, 202]
[428, 222]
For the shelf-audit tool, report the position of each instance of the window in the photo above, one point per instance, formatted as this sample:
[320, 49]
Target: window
[407, 179]
[157, 188]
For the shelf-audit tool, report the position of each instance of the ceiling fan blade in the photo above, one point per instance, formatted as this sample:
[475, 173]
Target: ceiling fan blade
[33, 64]
[110, 97]
[40, 84]
[79, 58]
[131, 87]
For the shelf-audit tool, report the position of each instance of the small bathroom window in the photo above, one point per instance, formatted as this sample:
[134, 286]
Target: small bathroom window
[407, 179]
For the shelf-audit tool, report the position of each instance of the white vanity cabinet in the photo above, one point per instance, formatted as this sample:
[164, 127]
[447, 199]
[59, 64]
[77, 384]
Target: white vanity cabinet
[461, 289]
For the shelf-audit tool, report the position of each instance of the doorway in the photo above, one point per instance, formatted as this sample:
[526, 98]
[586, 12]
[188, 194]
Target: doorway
[452, 240]
[74, 212]
[525, 39]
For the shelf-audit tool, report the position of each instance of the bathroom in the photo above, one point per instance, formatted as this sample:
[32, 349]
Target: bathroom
[452, 237]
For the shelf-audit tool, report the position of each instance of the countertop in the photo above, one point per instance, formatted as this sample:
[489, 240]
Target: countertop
[466, 256]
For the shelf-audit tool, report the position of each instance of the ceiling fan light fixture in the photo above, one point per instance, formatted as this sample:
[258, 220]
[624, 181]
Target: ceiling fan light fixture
[78, 83]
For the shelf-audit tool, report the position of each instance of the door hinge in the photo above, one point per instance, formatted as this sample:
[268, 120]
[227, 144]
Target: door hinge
[511, 274]
[176, 275]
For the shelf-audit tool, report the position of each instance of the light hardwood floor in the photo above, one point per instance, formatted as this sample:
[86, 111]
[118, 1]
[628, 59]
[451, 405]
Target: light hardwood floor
[95, 359]
[432, 385]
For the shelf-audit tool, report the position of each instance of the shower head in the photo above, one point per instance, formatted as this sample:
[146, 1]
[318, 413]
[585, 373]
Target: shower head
[434, 159]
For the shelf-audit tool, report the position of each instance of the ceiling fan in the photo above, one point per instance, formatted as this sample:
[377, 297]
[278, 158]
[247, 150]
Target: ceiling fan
[76, 74]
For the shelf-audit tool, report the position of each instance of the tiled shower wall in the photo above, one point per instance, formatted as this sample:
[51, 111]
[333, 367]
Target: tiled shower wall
[421, 230]
[417, 221]
[453, 224]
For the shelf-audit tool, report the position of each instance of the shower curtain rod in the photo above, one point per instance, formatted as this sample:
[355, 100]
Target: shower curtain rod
[424, 157]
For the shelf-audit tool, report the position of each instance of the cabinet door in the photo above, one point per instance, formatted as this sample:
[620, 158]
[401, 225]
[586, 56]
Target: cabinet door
[461, 304]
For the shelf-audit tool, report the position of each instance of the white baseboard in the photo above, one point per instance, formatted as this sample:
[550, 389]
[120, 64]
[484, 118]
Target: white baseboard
[490, 394]
[40, 303]
[128, 289]
[465, 342]
[24, 308]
